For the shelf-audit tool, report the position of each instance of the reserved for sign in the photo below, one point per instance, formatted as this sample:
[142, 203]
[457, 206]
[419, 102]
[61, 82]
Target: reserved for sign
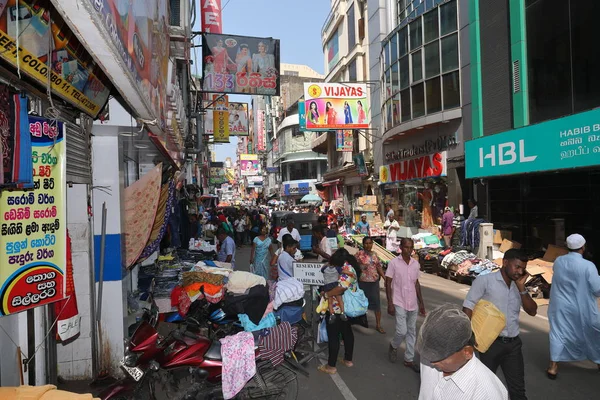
[309, 273]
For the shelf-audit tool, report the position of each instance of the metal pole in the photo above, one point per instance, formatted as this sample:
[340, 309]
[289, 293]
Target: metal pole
[102, 254]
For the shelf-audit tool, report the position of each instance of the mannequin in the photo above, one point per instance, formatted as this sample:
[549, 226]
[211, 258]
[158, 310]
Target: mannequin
[427, 198]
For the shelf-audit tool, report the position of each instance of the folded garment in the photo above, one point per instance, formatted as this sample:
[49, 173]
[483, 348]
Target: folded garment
[240, 281]
[288, 290]
[252, 304]
[267, 322]
[207, 288]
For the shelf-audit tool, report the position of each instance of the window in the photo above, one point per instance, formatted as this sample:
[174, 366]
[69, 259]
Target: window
[448, 20]
[450, 53]
[403, 42]
[386, 55]
[404, 73]
[405, 105]
[296, 131]
[394, 47]
[396, 110]
[352, 71]
[417, 66]
[395, 78]
[451, 88]
[351, 28]
[298, 170]
[430, 25]
[416, 35]
[432, 59]
[418, 101]
[291, 73]
[434, 95]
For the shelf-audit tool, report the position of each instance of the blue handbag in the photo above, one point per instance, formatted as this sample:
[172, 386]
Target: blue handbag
[355, 303]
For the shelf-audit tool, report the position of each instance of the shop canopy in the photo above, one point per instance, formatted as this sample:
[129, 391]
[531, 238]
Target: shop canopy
[311, 198]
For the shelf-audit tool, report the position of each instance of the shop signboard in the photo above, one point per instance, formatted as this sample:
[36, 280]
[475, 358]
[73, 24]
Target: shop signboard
[302, 115]
[255, 181]
[220, 119]
[309, 273]
[272, 170]
[34, 230]
[240, 64]
[210, 12]
[44, 40]
[569, 142]
[238, 119]
[359, 162]
[336, 106]
[428, 166]
[217, 176]
[261, 143]
[249, 165]
[140, 32]
[230, 175]
[343, 140]
[297, 188]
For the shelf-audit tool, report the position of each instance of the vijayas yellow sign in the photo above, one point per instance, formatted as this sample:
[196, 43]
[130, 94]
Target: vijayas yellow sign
[33, 227]
[220, 118]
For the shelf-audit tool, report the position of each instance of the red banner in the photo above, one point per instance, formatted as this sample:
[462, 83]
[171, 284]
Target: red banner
[210, 12]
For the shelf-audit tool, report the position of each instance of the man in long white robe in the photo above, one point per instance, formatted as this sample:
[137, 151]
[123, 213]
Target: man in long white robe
[573, 312]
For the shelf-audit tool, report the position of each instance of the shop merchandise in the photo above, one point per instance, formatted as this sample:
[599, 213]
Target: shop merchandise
[161, 222]
[239, 364]
[288, 290]
[201, 245]
[274, 342]
[268, 321]
[470, 232]
[240, 282]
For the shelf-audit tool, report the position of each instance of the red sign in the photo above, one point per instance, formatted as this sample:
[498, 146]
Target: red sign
[211, 16]
[261, 144]
[432, 165]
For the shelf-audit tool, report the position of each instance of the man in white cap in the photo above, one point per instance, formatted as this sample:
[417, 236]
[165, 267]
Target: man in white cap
[449, 369]
[573, 312]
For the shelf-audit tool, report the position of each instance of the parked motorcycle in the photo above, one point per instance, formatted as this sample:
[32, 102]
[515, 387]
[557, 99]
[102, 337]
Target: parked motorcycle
[187, 366]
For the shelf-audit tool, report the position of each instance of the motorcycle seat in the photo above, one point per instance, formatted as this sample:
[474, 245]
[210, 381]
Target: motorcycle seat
[214, 351]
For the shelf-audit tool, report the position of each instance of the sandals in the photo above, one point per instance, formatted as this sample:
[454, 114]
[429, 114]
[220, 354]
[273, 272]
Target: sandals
[348, 364]
[551, 376]
[380, 330]
[326, 369]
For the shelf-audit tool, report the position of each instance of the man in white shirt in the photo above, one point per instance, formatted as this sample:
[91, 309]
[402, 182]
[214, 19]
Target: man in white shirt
[449, 369]
[289, 228]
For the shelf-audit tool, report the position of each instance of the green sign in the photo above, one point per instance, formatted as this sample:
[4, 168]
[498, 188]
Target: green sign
[568, 142]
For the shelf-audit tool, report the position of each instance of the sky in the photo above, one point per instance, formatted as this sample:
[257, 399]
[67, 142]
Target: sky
[297, 24]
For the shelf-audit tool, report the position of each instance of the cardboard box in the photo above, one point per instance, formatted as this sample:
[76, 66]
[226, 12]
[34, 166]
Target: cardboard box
[370, 207]
[542, 267]
[500, 235]
[367, 200]
[509, 244]
[553, 252]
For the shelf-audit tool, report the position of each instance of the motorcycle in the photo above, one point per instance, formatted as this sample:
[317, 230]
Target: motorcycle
[188, 366]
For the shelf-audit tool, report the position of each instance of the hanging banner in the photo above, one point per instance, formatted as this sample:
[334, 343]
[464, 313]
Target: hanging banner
[238, 119]
[240, 64]
[359, 162]
[210, 12]
[429, 166]
[34, 226]
[249, 165]
[343, 140]
[336, 106]
[221, 118]
[261, 138]
[45, 40]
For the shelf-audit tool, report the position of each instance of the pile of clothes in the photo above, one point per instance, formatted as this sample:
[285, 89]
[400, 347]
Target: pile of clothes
[426, 240]
[465, 263]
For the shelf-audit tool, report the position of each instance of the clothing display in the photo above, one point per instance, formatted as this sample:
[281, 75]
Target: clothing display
[470, 232]
[276, 341]
[268, 321]
[141, 203]
[161, 222]
[287, 291]
[239, 364]
[240, 281]
[262, 256]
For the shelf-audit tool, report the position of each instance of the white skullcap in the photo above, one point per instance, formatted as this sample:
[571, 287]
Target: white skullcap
[575, 241]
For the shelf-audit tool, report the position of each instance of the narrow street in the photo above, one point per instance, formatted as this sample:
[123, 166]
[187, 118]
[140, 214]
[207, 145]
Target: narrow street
[375, 377]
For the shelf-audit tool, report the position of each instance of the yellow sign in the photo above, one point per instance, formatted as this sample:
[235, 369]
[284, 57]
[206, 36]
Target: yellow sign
[220, 118]
[33, 225]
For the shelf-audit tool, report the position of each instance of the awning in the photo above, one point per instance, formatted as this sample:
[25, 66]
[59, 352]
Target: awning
[319, 144]
[330, 183]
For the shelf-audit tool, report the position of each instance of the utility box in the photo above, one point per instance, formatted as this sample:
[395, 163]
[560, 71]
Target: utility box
[486, 241]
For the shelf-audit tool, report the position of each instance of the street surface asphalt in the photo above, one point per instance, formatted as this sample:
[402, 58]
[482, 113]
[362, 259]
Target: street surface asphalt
[374, 377]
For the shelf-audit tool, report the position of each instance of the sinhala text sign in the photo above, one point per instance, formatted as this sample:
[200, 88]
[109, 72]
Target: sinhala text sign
[336, 106]
[33, 224]
[309, 273]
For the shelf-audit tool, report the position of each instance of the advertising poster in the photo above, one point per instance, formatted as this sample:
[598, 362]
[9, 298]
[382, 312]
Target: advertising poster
[359, 161]
[261, 138]
[429, 166]
[255, 181]
[336, 106]
[140, 32]
[240, 64]
[343, 140]
[220, 119]
[249, 165]
[217, 175]
[238, 119]
[230, 175]
[34, 227]
[74, 76]
[210, 12]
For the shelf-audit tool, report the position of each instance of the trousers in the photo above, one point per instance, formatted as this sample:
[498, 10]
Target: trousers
[406, 328]
[333, 334]
[509, 356]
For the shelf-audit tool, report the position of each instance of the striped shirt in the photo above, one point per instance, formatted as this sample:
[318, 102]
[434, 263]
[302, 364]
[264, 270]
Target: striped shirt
[474, 381]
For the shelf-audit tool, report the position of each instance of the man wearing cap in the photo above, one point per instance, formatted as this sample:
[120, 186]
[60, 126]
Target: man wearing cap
[573, 311]
[449, 369]
[506, 290]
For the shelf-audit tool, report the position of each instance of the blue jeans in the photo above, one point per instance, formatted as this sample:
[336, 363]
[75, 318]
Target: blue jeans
[406, 328]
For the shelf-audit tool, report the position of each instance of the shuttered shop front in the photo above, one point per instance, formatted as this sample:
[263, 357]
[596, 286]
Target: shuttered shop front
[79, 157]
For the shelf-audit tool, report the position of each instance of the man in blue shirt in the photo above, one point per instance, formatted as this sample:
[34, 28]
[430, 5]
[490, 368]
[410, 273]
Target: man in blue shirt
[227, 249]
[362, 226]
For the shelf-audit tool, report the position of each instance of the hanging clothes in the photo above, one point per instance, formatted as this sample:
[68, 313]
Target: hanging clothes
[239, 364]
[276, 342]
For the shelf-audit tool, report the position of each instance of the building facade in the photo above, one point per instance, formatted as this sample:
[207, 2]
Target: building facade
[534, 152]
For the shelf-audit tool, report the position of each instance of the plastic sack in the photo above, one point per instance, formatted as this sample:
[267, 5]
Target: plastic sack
[487, 322]
[322, 333]
[355, 303]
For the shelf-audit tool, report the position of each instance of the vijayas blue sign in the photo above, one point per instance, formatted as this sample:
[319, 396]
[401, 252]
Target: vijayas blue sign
[568, 142]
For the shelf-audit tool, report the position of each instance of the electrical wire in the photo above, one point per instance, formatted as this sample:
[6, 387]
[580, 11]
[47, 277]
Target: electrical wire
[222, 8]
